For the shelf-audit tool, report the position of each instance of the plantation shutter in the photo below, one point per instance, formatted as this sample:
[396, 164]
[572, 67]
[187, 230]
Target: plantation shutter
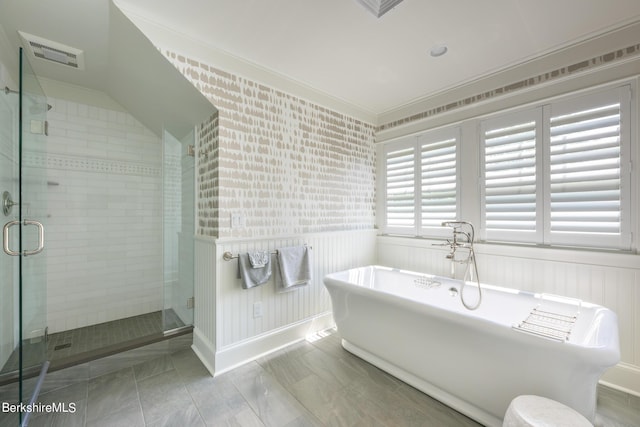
[586, 177]
[400, 181]
[510, 178]
[438, 180]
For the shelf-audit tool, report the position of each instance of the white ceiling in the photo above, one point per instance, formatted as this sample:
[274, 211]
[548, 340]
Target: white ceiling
[339, 48]
[333, 47]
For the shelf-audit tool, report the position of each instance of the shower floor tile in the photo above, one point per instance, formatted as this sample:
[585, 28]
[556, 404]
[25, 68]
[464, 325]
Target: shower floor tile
[94, 338]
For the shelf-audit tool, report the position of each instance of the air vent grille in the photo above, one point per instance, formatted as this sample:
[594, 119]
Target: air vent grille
[52, 54]
[52, 51]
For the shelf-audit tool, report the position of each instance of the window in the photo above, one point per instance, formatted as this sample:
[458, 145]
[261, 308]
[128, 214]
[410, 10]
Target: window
[421, 183]
[400, 187]
[559, 173]
[438, 180]
[511, 171]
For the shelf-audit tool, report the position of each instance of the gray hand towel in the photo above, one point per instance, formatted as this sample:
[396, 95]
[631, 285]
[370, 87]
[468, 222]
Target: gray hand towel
[293, 268]
[252, 277]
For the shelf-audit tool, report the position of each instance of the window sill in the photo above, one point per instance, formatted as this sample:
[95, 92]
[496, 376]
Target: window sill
[607, 258]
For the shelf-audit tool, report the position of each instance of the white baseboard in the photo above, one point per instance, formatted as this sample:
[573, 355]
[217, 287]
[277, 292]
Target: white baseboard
[238, 354]
[205, 350]
[623, 377]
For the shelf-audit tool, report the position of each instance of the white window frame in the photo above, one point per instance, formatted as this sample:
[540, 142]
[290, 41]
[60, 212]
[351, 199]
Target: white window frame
[542, 114]
[504, 121]
[405, 143]
[622, 95]
[451, 132]
[416, 142]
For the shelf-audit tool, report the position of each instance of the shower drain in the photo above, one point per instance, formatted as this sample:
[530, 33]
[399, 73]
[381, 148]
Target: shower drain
[62, 346]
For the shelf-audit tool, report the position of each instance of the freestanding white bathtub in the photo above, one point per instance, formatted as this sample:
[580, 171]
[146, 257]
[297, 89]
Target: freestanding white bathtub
[414, 326]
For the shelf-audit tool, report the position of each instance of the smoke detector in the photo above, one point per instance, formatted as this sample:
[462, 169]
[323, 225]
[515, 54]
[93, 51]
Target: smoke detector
[53, 51]
[379, 7]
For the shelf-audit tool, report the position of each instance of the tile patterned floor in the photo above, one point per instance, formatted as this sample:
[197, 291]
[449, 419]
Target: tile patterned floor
[307, 384]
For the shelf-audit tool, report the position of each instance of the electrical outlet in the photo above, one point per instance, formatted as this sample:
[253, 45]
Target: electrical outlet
[237, 220]
[257, 310]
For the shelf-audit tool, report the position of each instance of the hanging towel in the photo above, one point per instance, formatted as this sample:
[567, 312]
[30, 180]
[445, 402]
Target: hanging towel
[293, 268]
[259, 259]
[252, 277]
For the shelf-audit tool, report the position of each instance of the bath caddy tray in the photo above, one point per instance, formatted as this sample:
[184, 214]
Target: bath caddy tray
[549, 323]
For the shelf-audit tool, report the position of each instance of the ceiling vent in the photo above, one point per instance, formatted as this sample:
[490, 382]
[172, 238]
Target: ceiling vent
[53, 51]
[379, 7]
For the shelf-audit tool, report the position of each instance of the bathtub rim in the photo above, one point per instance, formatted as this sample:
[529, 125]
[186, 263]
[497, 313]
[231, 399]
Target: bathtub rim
[605, 350]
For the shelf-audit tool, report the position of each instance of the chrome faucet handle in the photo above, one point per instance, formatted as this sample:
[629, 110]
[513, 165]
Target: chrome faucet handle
[442, 244]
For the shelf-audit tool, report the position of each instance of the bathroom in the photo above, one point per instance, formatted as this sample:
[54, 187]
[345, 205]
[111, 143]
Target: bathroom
[326, 200]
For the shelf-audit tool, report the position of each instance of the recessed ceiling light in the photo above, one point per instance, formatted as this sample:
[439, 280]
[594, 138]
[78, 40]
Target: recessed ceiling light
[438, 50]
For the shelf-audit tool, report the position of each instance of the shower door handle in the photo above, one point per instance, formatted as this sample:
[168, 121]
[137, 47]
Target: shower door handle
[5, 237]
[40, 237]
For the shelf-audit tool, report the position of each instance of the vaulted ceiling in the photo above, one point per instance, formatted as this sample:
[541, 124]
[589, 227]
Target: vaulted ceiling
[338, 48]
[379, 64]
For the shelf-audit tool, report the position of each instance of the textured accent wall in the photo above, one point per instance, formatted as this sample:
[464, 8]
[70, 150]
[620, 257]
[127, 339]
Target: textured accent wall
[564, 71]
[207, 177]
[286, 166]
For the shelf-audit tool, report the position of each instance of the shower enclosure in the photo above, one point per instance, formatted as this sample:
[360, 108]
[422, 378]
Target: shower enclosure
[98, 216]
[22, 262]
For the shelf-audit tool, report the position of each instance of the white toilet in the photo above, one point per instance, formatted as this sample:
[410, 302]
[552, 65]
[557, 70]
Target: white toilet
[536, 411]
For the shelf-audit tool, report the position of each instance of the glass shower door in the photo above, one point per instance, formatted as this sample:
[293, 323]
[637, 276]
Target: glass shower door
[33, 212]
[178, 229]
[22, 261]
[9, 265]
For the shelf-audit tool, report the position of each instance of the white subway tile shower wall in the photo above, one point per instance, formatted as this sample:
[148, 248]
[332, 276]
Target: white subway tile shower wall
[287, 166]
[104, 249]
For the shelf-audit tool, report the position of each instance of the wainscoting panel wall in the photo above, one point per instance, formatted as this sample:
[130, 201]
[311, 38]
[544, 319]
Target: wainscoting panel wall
[332, 251]
[204, 292]
[230, 334]
[608, 279]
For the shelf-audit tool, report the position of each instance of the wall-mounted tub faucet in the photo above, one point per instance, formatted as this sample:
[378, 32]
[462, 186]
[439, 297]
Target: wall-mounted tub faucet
[463, 239]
